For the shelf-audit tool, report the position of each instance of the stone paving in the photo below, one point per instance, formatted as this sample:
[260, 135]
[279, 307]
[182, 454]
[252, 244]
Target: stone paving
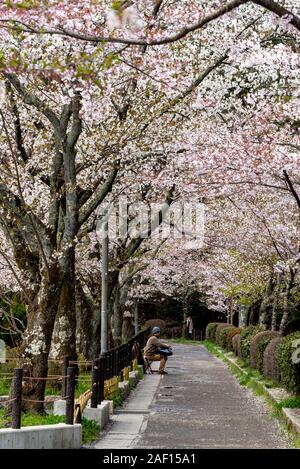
[199, 404]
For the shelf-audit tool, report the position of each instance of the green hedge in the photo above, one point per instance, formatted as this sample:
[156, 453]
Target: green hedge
[271, 367]
[219, 330]
[230, 335]
[258, 345]
[246, 336]
[210, 332]
[236, 344]
[289, 371]
[223, 341]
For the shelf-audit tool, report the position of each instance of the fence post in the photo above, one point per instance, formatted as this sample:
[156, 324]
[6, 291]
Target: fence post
[121, 361]
[17, 396]
[64, 373]
[70, 396]
[95, 383]
[101, 376]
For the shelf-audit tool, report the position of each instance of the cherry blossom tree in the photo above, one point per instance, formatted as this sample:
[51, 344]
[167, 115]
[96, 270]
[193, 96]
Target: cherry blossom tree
[209, 112]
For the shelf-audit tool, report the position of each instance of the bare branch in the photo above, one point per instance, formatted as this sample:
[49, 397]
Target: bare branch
[291, 187]
[92, 205]
[269, 5]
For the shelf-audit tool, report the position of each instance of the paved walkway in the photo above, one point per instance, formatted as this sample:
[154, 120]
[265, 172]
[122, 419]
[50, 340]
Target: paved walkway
[199, 404]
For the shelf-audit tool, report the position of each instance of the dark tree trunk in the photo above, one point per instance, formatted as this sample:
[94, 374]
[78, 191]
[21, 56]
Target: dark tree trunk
[36, 344]
[117, 318]
[286, 303]
[64, 335]
[276, 301]
[185, 315]
[85, 323]
[127, 328]
[265, 310]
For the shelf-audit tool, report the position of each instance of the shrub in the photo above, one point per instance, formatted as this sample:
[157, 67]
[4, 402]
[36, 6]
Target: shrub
[236, 344]
[271, 368]
[246, 336]
[172, 323]
[289, 371]
[173, 332]
[224, 336]
[258, 346]
[219, 329]
[173, 329]
[156, 322]
[230, 334]
[210, 332]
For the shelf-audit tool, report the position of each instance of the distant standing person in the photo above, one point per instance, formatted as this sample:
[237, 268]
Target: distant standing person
[189, 327]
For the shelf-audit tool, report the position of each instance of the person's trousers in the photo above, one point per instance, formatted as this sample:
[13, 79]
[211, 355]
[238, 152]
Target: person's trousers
[158, 358]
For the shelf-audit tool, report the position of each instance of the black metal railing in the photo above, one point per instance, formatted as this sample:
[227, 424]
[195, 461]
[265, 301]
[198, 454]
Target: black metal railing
[109, 365]
[113, 363]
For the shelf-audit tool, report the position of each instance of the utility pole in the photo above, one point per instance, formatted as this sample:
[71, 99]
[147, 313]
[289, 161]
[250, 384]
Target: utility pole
[104, 288]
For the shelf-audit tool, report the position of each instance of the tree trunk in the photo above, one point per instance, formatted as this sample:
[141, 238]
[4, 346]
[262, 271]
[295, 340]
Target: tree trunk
[264, 310]
[286, 306]
[117, 317]
[85, 323]
[230, 311]
[185, 315]
[64, 335]
[127, 328]
[37, 341]
[275, 301]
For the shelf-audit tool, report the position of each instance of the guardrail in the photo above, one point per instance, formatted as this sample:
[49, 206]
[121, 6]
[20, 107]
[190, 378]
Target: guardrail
[107, 371]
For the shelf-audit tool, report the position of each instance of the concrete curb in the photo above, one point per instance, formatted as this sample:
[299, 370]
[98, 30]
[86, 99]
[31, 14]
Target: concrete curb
[291, 416]
[124, 388]
[57, 436]
[100, 414]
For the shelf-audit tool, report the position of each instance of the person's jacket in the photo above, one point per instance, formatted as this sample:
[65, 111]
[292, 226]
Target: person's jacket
[152, 346]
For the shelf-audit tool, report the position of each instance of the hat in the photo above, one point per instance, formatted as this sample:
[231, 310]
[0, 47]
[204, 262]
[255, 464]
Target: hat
[155, 330]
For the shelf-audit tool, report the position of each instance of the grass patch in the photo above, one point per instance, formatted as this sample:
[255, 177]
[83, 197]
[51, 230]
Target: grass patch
[28, 419]
[90, 430]
[116, 397]
[4, 387]
[291, 403]
[84, 383]
[211, 347]
[130, 384]
[140, 373]
[3, 419]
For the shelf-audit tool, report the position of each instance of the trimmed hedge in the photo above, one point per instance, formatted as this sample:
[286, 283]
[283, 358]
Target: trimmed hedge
[156, 322]
[246, 336]
[289, 371]
[271, 367]
[258, 345]
[230, 334]
[210, 332]
[223, 336]
[219, 329]
[236, 344]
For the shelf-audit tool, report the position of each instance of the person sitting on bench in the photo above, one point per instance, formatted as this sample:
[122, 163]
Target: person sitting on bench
[151, 351]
